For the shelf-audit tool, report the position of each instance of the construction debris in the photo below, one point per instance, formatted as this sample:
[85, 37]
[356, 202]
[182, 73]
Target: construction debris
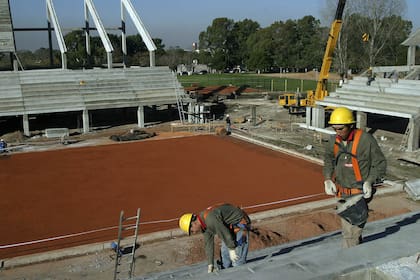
[412, 187]
[221, 131]
[133, 134]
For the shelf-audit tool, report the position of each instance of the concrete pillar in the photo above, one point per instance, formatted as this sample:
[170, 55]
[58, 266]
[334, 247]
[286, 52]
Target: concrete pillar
[109, 58]
[152, 58]
[361, 120]
[317, 115]
[190, 112]
[414, 135]
[140, 116]
[26, 131]
[411, 55]
[63, 61]
[254, 115]
[308, 116]
[15, 65]
[85, 118]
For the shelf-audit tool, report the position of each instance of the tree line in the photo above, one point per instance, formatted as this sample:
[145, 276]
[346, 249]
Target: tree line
[295, 45]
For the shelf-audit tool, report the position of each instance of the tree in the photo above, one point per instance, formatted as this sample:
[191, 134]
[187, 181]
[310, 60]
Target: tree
[381, 20]
[394, 53]
[259, 48]
[285, 39]
[240, 33]
[309, 45]
[218, 40]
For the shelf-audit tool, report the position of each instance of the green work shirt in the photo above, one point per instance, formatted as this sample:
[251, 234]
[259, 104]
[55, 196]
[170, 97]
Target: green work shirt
[371, 161]
[218, 222]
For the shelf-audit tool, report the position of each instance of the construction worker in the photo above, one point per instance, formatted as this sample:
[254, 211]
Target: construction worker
[228, 124]
[371, 76]
[3, 146]
[353, 162]
[232, 226]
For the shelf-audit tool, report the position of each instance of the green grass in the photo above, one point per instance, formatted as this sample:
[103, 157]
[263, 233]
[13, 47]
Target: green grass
[263, 83]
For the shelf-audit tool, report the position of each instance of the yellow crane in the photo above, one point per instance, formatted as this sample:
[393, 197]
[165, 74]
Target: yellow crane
[295, 101]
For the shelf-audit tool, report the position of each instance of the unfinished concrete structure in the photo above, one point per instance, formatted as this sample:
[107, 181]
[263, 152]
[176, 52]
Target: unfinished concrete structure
[27, 93]
[388, 95]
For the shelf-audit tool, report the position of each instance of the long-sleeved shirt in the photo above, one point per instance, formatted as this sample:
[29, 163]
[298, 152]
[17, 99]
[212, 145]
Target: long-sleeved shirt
[371, 161]
[218, 221]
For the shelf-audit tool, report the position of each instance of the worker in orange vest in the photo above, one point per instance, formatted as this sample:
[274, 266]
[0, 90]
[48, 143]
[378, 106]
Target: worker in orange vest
[353, 162]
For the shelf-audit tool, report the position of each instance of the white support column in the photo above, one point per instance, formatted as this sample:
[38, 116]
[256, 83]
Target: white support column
[123, 35]
[52, 17]
[411, 55]
[140, 116]
[414, 135]
[141, 29]
[109, 59]
[361, 120]
[26, 131]
[90, 9]
[15, 65]
[190, 111]
[152, 58]
[316, 116]
[63, 61]
[308, 116]
[85, 117]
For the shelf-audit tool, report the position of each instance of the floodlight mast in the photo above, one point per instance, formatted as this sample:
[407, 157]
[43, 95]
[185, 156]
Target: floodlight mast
[90, 9]
[52, 17]
[126, 5]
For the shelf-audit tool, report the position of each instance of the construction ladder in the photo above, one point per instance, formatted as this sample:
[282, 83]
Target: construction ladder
[179, 102]
[404, 141]
[126, 252]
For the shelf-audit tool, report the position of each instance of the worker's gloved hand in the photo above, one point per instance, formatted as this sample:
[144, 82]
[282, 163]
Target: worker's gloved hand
[330, 187]
[210, 268]
[233, 256]
[367, 189]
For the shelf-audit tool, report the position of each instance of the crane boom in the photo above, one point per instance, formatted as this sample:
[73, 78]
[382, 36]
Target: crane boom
[321, 88]
[295, 102]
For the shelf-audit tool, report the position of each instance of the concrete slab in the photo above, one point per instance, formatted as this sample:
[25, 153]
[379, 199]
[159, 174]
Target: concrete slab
[412, 187]
[388, 248]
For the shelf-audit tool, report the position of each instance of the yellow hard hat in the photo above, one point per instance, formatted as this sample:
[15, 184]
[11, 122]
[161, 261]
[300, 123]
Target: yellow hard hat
[341, 115]
[185, 222]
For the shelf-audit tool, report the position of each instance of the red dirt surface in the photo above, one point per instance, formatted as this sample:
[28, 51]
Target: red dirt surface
[61, 192]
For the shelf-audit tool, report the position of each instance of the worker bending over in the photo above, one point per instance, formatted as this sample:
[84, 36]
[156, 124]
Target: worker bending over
[353, 162]
[232, 226]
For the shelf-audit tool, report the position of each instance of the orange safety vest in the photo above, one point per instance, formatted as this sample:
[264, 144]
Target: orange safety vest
[355, 163]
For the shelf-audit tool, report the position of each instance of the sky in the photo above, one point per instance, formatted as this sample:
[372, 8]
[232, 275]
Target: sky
[177, 23]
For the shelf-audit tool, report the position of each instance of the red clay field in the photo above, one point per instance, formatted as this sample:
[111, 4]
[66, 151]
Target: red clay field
[63, 198]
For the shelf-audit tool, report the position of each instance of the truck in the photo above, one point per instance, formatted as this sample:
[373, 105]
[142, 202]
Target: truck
[296, 102]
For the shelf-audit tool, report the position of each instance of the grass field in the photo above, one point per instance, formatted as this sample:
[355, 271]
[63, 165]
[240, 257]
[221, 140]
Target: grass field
[262, 82]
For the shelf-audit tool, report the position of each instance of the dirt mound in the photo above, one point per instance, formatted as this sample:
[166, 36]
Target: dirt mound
[311, 225]
[14, 137]
[261, 238]
[221, 131]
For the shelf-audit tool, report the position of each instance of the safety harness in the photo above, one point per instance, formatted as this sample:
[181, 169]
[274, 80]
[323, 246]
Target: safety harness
[338, 150]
